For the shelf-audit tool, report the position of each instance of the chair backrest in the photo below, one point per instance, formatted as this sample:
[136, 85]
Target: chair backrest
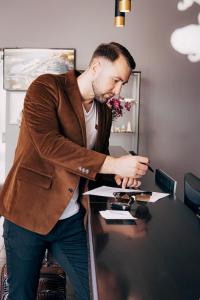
[165, 182]
[192, 191]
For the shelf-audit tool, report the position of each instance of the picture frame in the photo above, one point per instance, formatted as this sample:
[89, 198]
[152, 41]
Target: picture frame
[23, 65]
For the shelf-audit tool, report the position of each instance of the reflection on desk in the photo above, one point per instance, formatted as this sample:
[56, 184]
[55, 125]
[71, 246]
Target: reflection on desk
[151, 260]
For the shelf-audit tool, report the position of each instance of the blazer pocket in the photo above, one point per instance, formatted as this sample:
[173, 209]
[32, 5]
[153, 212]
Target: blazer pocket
[34, 177]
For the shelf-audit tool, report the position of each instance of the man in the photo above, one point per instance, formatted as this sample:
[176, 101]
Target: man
[63, 138]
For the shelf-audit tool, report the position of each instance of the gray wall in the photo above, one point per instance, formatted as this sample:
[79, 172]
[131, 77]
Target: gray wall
[170, 95]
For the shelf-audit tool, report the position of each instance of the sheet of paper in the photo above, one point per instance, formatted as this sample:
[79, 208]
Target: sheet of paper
[107, 191]
[116, 215]
[156, 196]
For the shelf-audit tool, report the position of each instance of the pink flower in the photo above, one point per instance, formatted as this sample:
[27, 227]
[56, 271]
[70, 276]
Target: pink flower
[116, 105]
[128, 105]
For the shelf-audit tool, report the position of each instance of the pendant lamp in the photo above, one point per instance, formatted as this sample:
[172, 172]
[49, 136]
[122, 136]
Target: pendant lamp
[119, 16]
[124, 6]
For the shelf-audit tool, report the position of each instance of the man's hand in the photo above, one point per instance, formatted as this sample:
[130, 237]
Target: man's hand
[127, 182]
[125, 166]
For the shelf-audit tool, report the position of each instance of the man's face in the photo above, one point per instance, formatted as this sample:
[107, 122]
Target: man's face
[109, 78]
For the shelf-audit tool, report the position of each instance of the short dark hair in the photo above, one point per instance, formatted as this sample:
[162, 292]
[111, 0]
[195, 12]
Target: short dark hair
[112, 51]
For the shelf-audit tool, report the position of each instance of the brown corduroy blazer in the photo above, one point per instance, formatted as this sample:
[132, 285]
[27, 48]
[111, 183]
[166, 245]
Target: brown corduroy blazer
[51, 153]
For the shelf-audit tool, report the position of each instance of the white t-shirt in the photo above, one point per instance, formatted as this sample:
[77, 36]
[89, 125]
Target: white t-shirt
[91, 122]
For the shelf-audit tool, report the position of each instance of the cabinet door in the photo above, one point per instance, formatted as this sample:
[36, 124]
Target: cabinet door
[125, 129]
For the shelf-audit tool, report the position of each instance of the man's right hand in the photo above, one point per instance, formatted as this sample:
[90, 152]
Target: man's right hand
[125, 166]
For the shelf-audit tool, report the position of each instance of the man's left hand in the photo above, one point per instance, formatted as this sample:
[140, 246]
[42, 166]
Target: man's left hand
[127, 182]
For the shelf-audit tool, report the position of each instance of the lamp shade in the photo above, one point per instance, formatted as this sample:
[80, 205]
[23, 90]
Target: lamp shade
[124, 5]
[119, 16]
[119, 21]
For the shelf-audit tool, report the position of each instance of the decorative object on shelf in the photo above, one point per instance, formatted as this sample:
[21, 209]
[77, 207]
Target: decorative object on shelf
[22, 66]
[128, 128]
[121, 7]
[127, 105]
[117, 129]
[123, 128]
[117, 108]
[125, 6]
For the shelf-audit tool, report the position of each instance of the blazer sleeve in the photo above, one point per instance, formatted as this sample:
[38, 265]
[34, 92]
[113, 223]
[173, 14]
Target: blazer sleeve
[41, 120]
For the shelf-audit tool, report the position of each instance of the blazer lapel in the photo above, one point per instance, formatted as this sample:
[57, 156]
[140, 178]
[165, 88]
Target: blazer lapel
[75, 99]
[104, 115]
[102, 125]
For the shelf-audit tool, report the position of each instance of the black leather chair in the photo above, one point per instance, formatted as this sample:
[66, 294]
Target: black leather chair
[192, 192]
[165, 182]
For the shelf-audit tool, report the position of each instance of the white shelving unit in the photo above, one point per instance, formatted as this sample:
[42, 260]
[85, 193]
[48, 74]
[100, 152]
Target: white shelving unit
[125, 129]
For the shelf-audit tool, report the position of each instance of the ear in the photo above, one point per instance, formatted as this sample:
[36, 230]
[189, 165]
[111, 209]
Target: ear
[95, 66]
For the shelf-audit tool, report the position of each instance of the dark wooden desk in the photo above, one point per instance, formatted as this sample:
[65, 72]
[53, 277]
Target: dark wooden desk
[157, 260]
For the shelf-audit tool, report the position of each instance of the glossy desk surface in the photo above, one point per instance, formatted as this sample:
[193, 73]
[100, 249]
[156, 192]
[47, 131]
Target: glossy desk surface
[154, 260]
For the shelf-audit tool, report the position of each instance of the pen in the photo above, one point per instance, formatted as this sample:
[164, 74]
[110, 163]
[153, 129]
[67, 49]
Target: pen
[149, 167]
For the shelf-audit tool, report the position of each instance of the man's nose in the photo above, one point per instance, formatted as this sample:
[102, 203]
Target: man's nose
[117, 89]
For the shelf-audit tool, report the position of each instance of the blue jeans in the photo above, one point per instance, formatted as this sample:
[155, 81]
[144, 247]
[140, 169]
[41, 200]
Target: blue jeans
[25, 251]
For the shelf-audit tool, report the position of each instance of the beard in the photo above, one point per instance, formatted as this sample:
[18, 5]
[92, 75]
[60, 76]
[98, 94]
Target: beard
[98, 95]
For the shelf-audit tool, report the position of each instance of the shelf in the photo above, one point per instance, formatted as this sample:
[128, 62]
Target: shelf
[125, 129]
[123, 132]
[128, 100]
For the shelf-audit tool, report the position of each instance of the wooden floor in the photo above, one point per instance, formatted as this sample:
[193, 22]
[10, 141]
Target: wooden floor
[69, 288]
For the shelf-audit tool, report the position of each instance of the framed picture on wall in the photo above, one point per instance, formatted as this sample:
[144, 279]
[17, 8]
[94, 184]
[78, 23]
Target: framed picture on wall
[23, 65]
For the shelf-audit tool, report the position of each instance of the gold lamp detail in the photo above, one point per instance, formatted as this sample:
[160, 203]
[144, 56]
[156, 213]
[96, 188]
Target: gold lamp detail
[119, 16]
[124, 6]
